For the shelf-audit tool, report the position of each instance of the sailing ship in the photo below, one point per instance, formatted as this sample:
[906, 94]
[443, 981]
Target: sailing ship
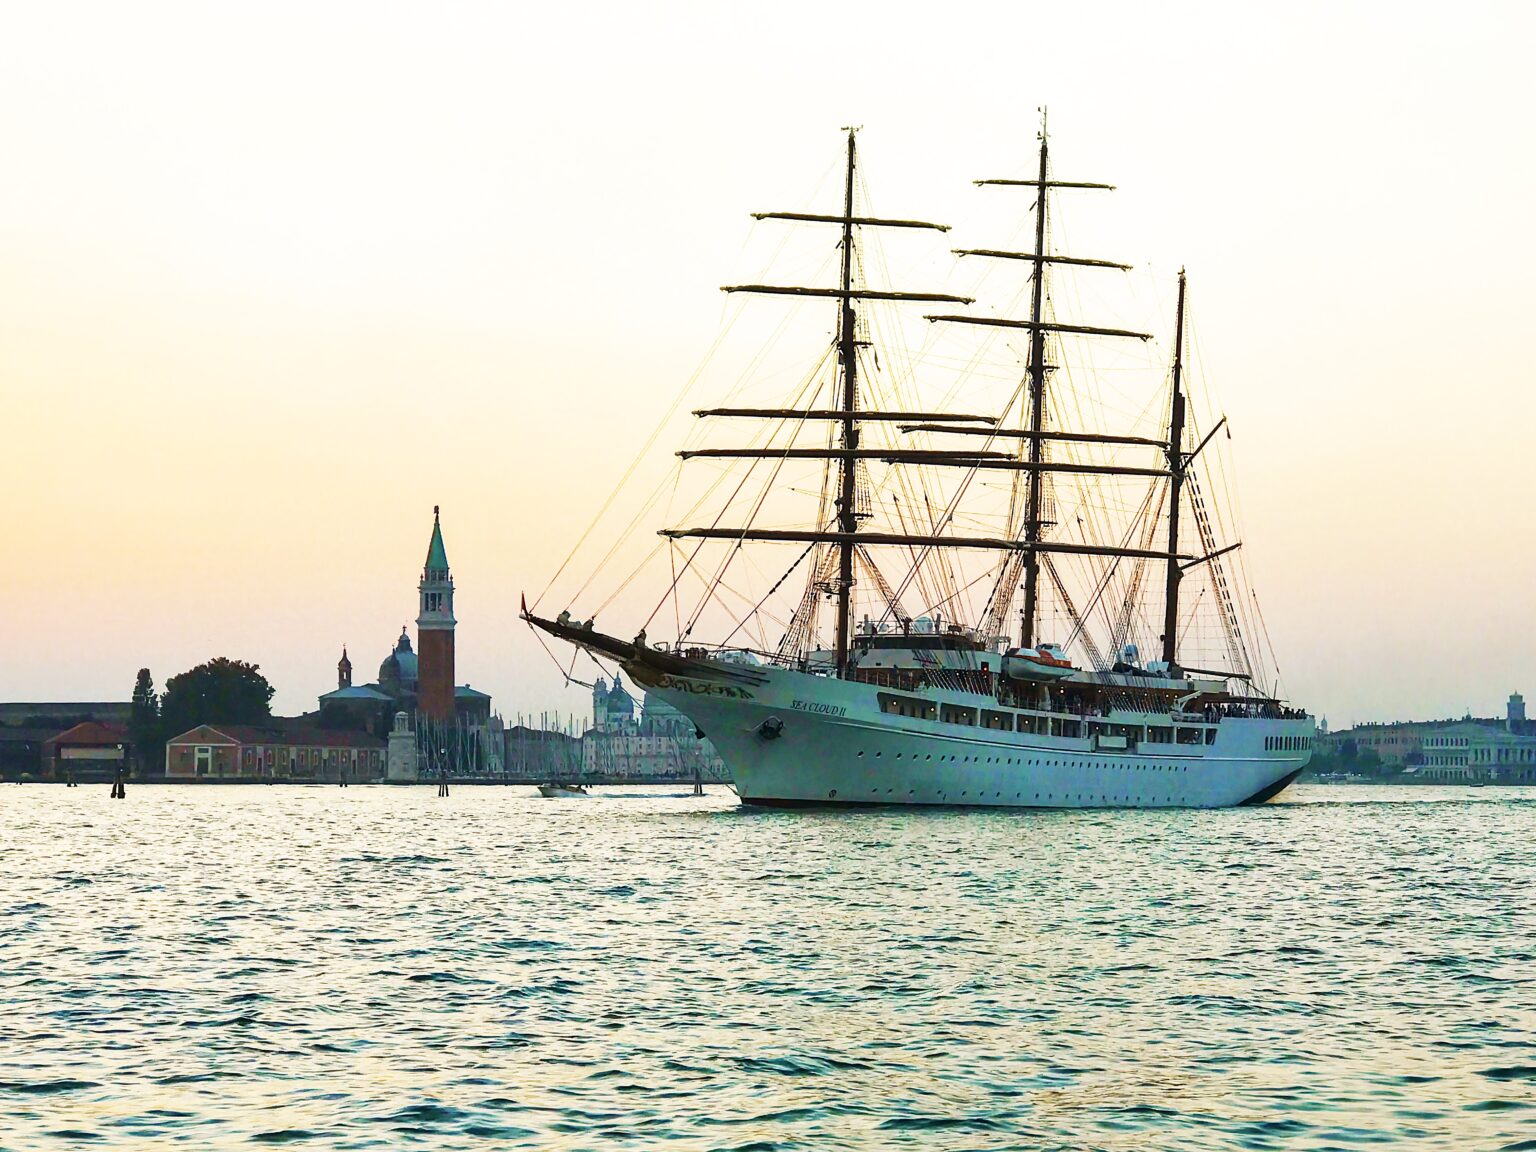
[912, 709]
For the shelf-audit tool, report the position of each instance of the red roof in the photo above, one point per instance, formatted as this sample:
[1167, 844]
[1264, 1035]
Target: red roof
[92, 733]
[306, 737]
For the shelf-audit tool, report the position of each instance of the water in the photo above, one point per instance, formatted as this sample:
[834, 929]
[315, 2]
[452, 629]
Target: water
[230, 967]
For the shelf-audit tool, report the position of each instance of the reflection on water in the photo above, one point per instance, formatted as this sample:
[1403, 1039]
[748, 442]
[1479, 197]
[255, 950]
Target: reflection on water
[381, 968]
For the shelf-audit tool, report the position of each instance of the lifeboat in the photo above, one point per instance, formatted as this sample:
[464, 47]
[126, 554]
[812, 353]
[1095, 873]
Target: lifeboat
[1045, 662]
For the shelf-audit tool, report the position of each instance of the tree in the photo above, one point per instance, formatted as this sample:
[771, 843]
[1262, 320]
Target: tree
[144, 731]
[222, 691]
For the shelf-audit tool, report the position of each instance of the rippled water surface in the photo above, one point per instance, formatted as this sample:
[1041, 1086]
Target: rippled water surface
[384, 968]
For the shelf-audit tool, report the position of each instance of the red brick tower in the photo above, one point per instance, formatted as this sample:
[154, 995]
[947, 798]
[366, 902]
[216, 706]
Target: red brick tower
[434, 631]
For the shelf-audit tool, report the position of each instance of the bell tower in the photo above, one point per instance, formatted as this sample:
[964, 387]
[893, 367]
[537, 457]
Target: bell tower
[434, 630]
[343, 670]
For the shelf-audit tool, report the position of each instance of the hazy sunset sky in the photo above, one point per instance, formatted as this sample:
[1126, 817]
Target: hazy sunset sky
[275, 279]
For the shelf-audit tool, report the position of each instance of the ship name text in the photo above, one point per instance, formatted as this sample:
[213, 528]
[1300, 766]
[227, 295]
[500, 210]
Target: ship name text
[822, 709]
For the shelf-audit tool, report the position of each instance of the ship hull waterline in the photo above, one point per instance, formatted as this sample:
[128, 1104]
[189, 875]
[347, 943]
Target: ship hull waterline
[793, 739]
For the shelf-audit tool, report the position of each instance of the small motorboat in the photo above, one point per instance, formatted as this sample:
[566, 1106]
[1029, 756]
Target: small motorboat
[557, 791]
[1044, 662]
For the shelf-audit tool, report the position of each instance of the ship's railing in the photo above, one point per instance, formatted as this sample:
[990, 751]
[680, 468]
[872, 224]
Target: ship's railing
[1058, 700]
[979, 681]
[759, 657]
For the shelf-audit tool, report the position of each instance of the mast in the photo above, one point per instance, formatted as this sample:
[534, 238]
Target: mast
[847, 353]
[847, 412]
[1034, 462]
[1177, 463]
[1036, 413]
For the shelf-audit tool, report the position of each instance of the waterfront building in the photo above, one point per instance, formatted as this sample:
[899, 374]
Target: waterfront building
[27, 727]
[1472, 749]
[238, 752]
[659, 743]
[1394, 743]
[1470, 752]
[89, 751]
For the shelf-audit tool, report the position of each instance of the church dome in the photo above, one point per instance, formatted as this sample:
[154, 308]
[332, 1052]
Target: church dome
[400, 664]
[620, 701]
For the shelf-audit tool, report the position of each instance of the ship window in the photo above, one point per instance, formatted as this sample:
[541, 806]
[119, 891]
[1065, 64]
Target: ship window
[955, 714]
[999, 721]
[895, 705]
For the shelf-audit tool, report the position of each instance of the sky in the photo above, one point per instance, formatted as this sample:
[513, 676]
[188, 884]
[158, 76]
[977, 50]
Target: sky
[277, 279]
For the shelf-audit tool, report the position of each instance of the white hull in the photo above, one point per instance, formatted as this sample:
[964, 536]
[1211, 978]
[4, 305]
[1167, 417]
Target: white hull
[836, 746]
[561, 792]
